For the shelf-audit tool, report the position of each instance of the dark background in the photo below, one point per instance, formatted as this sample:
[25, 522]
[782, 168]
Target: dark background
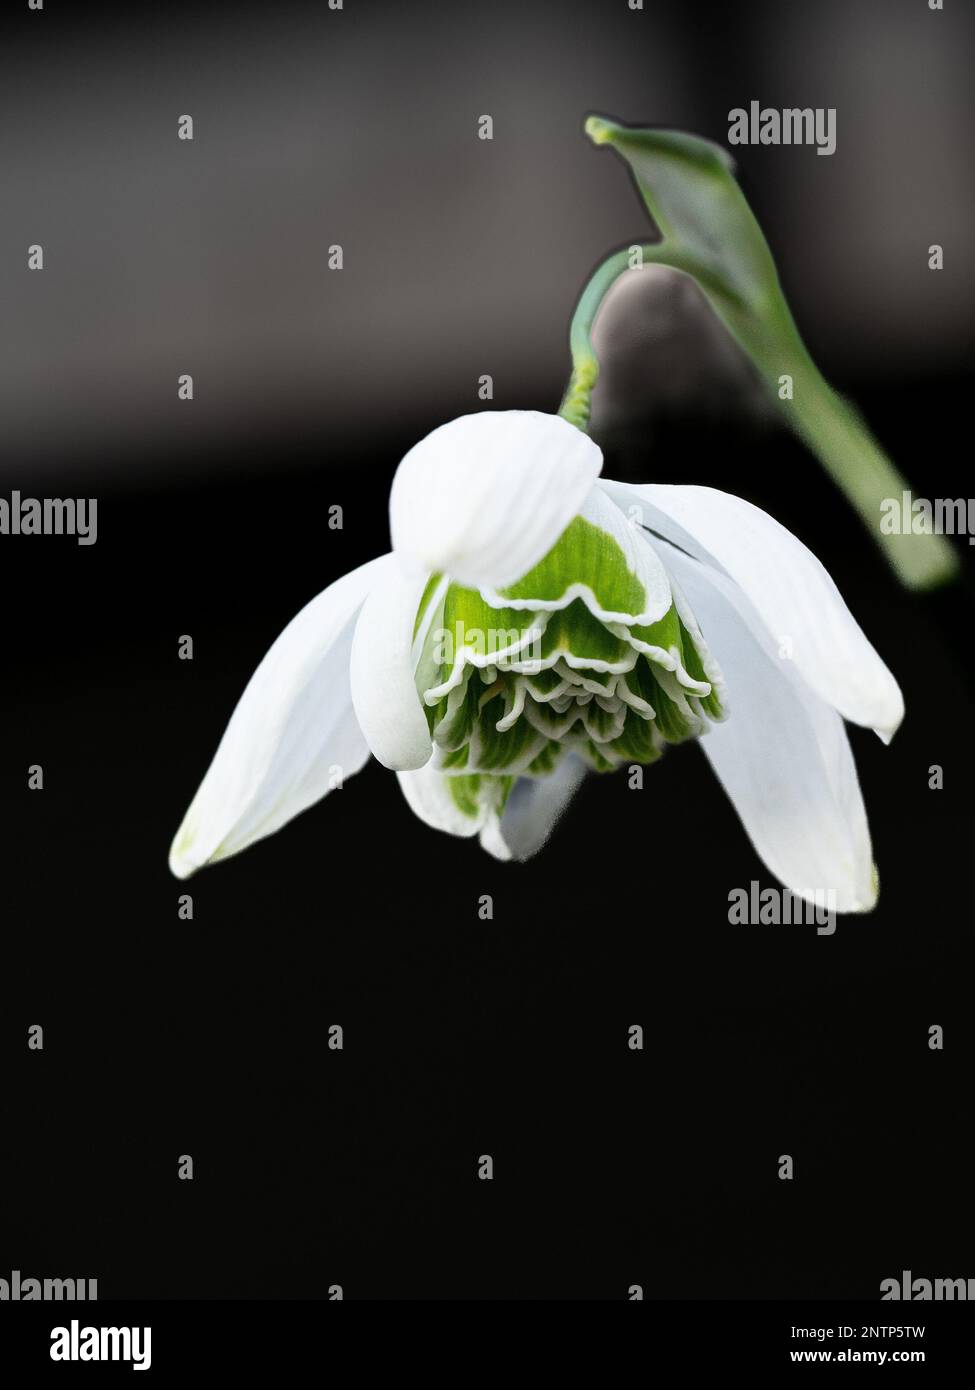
[462, 1037]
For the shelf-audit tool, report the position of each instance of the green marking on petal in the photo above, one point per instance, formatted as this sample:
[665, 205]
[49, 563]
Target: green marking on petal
[545, 684]
[663, 634]
[584, 641]
[476, 795]
[514, 750]
[455, 760]
[638, 743]
[674, 723]
[547, 760]
[596, 757]
[464, 792]
[460, 717]
[693, 664]
[425, 600]
[583, 554]
[508, 691]
[472, 629]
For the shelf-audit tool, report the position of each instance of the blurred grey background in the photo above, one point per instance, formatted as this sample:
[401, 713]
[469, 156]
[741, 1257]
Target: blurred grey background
[462, 256]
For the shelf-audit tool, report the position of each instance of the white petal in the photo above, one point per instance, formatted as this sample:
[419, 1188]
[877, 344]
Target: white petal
[384, 693]
[530, 816]
[492, 840]
[484, 497]
[291, 736]
[535, 806]
[782, 756]
[790, 590]
[429, 798]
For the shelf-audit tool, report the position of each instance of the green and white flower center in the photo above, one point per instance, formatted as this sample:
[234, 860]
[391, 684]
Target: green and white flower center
[592, 651]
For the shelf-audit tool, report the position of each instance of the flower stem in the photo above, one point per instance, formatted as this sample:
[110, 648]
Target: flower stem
[708, 231]
[576, 403]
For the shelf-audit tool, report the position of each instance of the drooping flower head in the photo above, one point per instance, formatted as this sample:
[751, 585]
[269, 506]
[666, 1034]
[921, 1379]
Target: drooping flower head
[534, 621]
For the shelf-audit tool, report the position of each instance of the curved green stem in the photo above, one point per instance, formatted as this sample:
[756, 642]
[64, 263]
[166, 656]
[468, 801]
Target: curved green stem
[709, 232]
[576, 403]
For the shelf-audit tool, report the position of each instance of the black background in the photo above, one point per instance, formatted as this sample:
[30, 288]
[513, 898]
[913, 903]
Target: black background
[462, 1037]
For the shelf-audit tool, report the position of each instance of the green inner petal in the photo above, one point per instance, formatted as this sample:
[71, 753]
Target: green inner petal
[574, 632]
[557, 678]
[471, 792]
[664, 634]
[586, 554]
[694, 666]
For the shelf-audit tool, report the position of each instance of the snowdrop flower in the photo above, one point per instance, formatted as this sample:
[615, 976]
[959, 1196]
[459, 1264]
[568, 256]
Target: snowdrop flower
[534, 621]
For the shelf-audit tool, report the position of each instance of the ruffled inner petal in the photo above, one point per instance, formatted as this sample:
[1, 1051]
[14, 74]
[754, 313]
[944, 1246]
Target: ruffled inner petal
[592, 652]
